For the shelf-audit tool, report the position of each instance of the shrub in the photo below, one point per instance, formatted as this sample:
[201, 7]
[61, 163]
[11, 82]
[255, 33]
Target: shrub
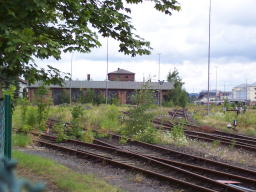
[60, 130]
[109, 119]
[21, 140]
[31, 117]
[42, 102]
[147, 135]
[177, 133]
[87, 136]
[138, 123]
[26, 128]
[77, 113]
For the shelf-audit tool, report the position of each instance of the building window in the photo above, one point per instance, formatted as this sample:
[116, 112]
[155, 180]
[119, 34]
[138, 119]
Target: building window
[126, 76]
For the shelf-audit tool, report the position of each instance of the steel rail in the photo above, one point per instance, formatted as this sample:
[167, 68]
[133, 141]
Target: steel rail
[91, 156]
[223, 166]
[210, 184]
[175, 163]
[210, 138]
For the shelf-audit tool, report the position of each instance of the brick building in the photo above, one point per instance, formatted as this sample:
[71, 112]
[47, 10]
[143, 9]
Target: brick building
[121, 85]
[121, 75]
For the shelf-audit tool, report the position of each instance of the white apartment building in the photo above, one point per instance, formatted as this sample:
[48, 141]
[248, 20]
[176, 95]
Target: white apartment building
[245, 92]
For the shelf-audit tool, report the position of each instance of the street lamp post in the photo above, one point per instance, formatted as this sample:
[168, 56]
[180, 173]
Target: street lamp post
[71, 71]
[106, 93]
[159, 58]
[209, 58]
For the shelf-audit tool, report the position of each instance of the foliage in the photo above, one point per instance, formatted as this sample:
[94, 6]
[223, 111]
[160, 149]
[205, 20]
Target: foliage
[60, 113]
[148, 134]
[21, 140]
[26, 128]
[60, 130]
[177, 96]
[87, 136]
[104, 118]
[89, 96]
[24, 118]
[64, 97]
[98, 99]
[138, 123]
[115, 101]
[44, 29]
[31, 116]
[216, 143]
[24, 103]
[10, 91]
[77, 113]
[177, 133]
[144, 96]
[42, 102]
[64, 178]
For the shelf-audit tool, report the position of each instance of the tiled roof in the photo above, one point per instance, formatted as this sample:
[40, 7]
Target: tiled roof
[110, 84]
[121, 71]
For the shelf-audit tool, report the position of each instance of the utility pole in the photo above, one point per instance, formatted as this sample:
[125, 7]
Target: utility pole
[106, 93]
[159, 59]
[216, 82]
[246, 90]
[209, 58]
[70, 86]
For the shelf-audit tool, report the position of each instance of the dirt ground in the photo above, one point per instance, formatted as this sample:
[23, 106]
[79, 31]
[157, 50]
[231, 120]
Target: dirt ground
[35, 178]
[125, 180]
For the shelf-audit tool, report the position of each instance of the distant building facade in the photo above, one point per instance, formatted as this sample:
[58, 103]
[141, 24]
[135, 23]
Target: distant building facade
[121, 75]
[121, 85]
[245, 92]
[214, 96]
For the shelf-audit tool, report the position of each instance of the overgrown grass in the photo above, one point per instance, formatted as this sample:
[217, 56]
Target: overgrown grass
[65, 179]
[21, 140]
[246, 121]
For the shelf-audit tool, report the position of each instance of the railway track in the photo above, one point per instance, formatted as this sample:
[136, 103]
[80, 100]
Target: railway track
[211, 137]
[183, 157]
[137, 162]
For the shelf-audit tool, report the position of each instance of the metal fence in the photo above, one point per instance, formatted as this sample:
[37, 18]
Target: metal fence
[5, 127]
[2, 127]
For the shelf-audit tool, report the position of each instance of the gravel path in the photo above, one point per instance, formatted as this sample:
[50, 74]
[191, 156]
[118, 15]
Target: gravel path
[121, 178]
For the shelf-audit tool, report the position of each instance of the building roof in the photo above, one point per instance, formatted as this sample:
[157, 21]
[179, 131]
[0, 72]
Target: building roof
[132, 85]
[241, 85]
[121, 71]
[253, 84]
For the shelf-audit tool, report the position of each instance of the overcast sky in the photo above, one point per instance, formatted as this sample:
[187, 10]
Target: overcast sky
[182, 40]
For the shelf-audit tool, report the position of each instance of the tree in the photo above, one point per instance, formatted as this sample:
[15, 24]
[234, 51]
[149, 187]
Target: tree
[177, 96]
[46, 28]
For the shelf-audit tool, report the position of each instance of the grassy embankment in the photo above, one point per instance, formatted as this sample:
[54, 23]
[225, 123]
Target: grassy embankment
[218, 119]
[103, 118]
[64, 178]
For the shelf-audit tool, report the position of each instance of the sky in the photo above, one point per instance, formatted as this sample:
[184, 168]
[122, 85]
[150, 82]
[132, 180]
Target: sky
[182, 41]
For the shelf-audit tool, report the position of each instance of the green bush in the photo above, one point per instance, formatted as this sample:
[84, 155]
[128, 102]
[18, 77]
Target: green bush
[26, 128]
[21, 140]
[138, 123]
[146, 135]
[31, 117]
[60, 131]
[87, 136]
[77, 113]
[177, 133]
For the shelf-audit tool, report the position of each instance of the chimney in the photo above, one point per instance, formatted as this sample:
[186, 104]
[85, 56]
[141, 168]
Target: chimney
[88, 77]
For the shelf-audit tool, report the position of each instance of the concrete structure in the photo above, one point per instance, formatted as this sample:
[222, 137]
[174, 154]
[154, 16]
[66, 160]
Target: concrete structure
[245, 92]
[215, 96]
[121, 85]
